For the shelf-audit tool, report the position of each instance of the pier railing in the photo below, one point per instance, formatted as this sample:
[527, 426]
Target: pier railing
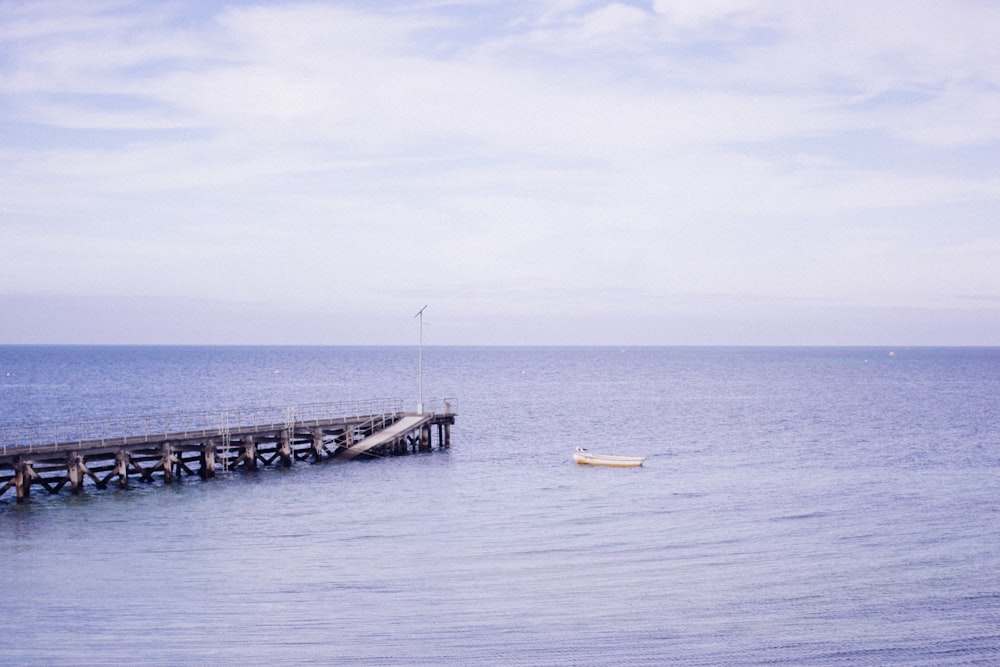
[37, 437]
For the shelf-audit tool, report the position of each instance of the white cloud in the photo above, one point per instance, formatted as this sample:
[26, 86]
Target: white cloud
[699, 13]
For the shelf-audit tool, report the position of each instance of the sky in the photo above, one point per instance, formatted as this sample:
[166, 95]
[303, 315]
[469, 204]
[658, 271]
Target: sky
[536, 172]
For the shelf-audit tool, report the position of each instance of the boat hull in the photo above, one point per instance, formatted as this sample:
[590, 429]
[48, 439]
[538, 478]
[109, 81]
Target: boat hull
[588, 458]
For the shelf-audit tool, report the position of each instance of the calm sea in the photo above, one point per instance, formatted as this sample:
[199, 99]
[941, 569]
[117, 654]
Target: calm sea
[797, 507]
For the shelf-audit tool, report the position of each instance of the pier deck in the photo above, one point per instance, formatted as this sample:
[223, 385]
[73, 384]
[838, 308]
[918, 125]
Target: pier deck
[54, 456]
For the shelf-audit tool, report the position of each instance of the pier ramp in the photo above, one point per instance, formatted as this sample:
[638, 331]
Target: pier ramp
[391, 436]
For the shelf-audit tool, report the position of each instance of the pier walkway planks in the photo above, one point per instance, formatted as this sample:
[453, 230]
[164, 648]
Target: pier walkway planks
[54, 464]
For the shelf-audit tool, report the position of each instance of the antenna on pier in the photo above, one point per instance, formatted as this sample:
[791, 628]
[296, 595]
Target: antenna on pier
[420, 367]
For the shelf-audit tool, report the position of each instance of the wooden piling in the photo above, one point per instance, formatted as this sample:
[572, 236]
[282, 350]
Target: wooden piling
[285, 447]
[248, 453]
[207, 460]
[167, 462]
[121, 467]
[22, 483]
[74, 473]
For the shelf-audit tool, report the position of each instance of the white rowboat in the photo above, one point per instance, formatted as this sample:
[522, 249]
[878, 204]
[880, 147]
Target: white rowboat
[582, 456]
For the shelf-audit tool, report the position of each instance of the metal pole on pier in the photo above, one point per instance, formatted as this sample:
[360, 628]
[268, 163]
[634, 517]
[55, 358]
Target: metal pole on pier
[420, 367]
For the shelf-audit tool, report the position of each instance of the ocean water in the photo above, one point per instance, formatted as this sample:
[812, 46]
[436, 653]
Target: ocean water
[798, 506]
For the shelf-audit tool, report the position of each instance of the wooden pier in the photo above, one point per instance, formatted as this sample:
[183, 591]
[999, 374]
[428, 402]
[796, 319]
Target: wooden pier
[166, 448]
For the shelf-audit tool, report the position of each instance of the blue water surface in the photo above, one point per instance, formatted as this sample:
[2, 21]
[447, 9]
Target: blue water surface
[798, 506]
